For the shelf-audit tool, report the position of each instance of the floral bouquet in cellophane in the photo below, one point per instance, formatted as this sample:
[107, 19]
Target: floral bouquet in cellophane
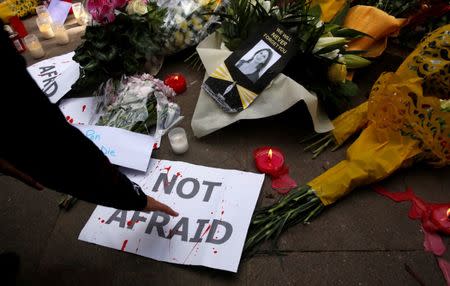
[406, 119]
[130, 36]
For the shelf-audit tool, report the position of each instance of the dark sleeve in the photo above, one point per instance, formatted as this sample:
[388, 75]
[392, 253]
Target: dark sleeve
[37, 140]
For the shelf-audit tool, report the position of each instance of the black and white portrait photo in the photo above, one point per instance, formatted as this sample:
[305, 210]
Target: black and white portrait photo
[257, 61]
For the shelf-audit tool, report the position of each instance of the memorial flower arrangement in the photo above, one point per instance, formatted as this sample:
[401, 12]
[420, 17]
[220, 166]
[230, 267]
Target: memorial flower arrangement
[321, 47]
[125, 35]
[405, 120]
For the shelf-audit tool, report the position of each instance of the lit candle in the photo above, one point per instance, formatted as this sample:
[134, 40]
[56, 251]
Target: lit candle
[176, 81]
[77, 10]
[42, 11]
[178, 140]
[34, 46]
[45, 26]
[270, 161]
[61, 35]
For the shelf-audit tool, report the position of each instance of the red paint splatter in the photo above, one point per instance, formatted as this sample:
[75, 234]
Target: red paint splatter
[130, 223]
[155, 146]
[222, 212]
[68, 117]
[136, 221]
[99, 218]
[124, 244]
[83, 108]
[178, 174]
[215, 251]
[71, 120]
[102, 221]
[168, 168]
[195, 245]
[212, 213]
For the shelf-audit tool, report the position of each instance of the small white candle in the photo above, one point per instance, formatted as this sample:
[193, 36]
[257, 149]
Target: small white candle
[178, 140]
[45, 26]
[34, 46]
[61, 35]
[42, 11]
[77, 9]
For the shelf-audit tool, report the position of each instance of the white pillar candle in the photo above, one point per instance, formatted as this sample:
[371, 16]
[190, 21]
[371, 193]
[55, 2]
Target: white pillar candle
[77, 9]
[42, 11]
[178, 140]
[34, 46]
[45, 26]
[61, 35]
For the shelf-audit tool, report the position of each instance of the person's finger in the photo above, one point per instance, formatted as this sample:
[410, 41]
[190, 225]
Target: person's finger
[10, 170]
[166, 209]
[154, 205]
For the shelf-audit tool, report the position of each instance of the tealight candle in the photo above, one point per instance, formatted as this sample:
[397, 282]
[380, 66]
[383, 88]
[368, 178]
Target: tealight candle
[269, 160]
[178, 140]
[45, 26]
[61, 35]
[34, 46]
[176, 81]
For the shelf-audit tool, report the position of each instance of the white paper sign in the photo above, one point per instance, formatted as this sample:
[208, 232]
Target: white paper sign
[55, 76]
[59, 10]
[79, 110]
[215, 207]
[122, 147]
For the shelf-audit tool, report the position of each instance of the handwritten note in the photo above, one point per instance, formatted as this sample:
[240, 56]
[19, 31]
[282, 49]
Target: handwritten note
[215, 207]
[55, 76]
[122, 147]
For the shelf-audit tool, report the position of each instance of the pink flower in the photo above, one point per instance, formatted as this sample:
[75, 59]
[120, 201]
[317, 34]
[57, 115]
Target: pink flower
[102, 11]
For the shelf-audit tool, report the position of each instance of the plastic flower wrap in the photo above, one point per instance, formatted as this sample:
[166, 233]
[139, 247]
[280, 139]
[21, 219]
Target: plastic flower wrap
[406, 121]
[140, 104]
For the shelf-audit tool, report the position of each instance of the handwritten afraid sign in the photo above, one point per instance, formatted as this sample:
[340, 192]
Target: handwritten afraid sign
[215, 207]
[56, 75]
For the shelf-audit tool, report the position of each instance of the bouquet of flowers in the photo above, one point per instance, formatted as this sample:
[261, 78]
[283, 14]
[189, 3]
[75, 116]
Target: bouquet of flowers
[407, 119]
[140, 104]
[128, 33]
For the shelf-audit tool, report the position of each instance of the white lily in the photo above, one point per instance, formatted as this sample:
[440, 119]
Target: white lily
[265, 4]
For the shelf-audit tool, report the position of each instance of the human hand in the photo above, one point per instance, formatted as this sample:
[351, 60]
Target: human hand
[9, 169]
[154, 205]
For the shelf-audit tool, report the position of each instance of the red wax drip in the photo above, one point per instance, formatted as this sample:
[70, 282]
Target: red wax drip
[176, 81]
[271, 161]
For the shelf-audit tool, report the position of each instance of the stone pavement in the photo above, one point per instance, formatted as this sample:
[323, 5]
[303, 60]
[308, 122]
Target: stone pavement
[365, 239]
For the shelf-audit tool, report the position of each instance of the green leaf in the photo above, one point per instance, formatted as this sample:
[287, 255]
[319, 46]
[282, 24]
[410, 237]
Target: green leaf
[350, 33]
[347, 89]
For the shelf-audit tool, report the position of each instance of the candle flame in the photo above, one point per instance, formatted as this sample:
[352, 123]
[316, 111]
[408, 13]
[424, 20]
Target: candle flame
[448, 212]
[175, 77]
[270, 154]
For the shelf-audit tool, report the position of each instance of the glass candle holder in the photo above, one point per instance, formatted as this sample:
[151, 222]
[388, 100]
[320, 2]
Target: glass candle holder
[77, 9]
[34, 46]
[178, 140]
[45, 26]
[61, 35]
[42, 11]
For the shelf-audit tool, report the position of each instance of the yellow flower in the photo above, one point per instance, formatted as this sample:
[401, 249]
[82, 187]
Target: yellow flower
[184, 25]
[337, 73]
[179, 38]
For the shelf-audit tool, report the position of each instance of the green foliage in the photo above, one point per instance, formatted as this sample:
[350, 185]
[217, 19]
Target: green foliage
[120, 47]
[303, 21]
